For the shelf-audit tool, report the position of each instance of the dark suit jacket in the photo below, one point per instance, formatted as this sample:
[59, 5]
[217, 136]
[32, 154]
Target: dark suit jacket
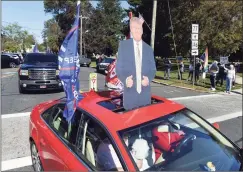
[125, 67]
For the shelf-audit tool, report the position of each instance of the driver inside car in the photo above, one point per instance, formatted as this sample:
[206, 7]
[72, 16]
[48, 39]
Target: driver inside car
[164, 137]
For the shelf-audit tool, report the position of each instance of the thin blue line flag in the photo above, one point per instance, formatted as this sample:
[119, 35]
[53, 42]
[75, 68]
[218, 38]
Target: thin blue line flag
[68, 62]
[35, 49]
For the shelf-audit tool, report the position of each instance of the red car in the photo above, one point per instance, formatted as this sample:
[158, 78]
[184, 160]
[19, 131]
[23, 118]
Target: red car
[104, 136]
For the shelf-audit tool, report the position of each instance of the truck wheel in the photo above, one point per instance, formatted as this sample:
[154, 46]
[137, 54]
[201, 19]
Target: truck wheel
[21, 91]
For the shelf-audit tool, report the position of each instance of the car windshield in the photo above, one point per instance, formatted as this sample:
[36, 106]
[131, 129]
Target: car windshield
[107, 60]
[180, 141]
[41, 58]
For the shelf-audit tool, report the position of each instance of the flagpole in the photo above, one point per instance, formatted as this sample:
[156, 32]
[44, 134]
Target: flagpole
[146, 23]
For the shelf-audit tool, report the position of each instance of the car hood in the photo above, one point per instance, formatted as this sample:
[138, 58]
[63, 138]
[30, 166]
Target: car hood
[47, 65]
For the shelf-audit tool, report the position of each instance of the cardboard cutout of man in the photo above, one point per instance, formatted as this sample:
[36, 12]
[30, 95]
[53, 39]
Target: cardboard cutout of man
[135, 67]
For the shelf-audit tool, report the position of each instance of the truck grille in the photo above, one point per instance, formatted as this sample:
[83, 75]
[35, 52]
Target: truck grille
[42, 74]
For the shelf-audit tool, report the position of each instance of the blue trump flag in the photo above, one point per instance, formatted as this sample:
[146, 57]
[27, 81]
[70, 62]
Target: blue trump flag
[35, 49]
[69, 68]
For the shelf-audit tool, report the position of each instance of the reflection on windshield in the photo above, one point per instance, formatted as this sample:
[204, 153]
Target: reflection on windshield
[41, 58]
[180, 141]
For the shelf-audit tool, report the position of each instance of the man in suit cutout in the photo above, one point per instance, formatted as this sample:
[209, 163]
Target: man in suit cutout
[135, 67]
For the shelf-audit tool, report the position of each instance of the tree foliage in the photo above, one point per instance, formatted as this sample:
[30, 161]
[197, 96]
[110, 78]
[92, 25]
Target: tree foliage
[15, 38]
[51, 34]
[102, 29]
[220, 25]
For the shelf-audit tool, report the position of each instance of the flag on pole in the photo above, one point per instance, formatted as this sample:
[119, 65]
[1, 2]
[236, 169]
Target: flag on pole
[68, 62]
[35, 49]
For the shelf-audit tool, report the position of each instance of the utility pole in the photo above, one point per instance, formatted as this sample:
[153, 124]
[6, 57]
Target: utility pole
[153, 23]
[81, 34]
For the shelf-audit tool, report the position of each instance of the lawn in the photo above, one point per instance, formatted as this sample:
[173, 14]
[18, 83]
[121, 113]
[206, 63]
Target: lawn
[203, 85]
[93, 64]
[239, 74]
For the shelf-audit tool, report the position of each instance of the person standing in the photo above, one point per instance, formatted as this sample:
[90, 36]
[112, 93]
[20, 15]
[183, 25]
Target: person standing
[135, 67]
[167, 67]
[181, 68]
[213, 69]
[220, 75]
[190, 72]
[230, 76]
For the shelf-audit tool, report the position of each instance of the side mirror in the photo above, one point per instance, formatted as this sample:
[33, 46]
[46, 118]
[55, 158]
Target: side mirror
[216, 125]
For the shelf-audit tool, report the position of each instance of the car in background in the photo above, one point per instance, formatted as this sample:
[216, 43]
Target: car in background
[103, 65]
[39, 72]
[9, 60]
[84, 61]
[21, 59]
[100, 118]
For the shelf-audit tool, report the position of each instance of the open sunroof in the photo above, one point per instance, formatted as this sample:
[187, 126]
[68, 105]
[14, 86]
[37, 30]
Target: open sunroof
[116, 104]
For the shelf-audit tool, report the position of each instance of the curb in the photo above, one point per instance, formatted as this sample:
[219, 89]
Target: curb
[157, 82]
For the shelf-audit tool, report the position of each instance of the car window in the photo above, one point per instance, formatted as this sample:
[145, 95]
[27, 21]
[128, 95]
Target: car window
[55, 119]
[4, 57]
[179, 141]
[94, 146]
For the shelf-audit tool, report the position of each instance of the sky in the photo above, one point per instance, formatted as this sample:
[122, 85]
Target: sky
[30, 15]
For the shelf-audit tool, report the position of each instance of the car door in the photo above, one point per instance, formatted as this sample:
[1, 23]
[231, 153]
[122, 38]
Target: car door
[90, 134]
[53, 140]
[4, 60]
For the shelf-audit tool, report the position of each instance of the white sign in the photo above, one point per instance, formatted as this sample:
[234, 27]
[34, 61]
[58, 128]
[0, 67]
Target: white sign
[224, 60]
[93, 81]
[195, 28]
[194, 52]
[194, 44]
[194, 37]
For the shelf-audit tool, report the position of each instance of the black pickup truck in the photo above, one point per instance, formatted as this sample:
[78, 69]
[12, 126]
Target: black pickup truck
[39, 71]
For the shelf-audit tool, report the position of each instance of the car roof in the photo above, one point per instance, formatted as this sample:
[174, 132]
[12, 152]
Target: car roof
[116, 119]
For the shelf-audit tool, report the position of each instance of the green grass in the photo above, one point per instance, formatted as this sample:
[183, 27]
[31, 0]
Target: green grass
[202, 85]
[93, 64]
[239, 74]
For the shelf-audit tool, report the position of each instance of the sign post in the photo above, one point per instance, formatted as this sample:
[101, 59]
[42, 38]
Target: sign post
[93, 81]
[194, 47]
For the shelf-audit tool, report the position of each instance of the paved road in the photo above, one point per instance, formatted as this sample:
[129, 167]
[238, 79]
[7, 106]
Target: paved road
[13, 102]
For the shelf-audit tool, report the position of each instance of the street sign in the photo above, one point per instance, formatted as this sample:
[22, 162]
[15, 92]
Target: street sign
[224, 60]
[195, 28]
[194, 52]
[194, 45]
[93, 81]
[194, 37]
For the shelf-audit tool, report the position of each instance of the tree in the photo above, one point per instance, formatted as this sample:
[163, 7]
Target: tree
[16, 39]
[107, 27]
[64, 15]
[51, 35]
[220, 25]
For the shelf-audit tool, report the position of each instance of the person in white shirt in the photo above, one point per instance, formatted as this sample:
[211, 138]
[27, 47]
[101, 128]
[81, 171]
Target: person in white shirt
[230, 77]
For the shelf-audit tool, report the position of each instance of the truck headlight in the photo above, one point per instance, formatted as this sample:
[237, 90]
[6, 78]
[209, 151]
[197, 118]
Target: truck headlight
[24, 72]
[57, 72]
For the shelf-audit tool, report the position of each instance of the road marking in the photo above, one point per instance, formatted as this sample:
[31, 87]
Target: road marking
[16, 163]
[195, 97]
[5, 76]
[225, 117]
[26, 161]
[13, 115]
